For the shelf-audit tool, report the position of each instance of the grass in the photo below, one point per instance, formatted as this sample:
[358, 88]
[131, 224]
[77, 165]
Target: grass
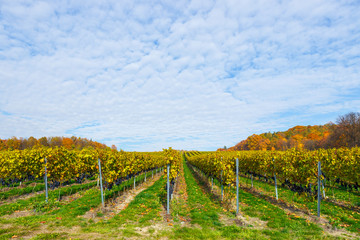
[60, 214]
[338, 216]
[279, 224]
[180, 211]
[143, 211]
[37, 203]
[205, 216]
[21, 191]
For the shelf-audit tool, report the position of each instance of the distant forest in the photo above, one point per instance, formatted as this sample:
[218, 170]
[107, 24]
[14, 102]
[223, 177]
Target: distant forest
[344, 133]
[69, 143]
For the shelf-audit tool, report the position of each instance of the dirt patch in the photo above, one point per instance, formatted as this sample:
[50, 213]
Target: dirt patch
[345, 205]
[70, 198]
[115, 206]
[16, 214]
[151, 230]
[243, 221]
[74, 232]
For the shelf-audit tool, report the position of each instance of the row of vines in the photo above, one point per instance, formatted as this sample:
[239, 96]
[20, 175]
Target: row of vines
[63, 164]
[296, 168]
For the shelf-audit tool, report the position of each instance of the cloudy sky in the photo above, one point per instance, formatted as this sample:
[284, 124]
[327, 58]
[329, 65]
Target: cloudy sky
[145, 75]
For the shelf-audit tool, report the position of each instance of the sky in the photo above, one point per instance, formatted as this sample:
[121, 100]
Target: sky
[147, 75]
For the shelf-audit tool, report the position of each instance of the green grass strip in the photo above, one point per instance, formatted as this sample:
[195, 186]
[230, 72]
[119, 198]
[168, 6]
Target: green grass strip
[38, 202]
[21, 191]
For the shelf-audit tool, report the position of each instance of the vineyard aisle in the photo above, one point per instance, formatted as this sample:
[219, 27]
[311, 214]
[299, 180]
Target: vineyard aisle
[208, 219]
[298, 206]
[67, 219]
[254, 212]
[142, 218]
[116, 205]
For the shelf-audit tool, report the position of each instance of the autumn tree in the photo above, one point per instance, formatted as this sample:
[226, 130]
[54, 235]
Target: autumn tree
[43, 141]
[68, 143]
[2, 144]
[55, 142]
[347, 131]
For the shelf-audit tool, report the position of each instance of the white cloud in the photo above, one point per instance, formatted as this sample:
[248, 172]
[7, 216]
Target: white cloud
[187, 74]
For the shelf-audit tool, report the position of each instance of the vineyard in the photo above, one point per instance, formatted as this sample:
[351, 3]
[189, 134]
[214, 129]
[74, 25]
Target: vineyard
[297, 169]
[201, 187]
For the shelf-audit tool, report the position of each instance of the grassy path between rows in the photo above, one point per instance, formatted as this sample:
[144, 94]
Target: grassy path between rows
[142, 217]
[278, 223]
[37, 203]
[337, 216]
[63, 215]
[16, 191]
[207, 217]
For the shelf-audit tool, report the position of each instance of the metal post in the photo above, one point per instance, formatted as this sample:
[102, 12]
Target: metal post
[145, 177]
[252, 182]
[323, 188]
[319, 190]
[168, 189]
[134, 181]
[276, 190]
[101, 185]
[46, 184]
[222, 186]
[237, 186]
[212, 183]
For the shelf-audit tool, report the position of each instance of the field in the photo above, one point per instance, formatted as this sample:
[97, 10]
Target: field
[198, 210]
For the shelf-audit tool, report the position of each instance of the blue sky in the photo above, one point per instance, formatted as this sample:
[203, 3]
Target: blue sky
[146, 75]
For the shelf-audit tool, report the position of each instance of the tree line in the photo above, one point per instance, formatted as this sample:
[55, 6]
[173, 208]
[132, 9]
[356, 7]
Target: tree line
[344, 133]
[69, 143]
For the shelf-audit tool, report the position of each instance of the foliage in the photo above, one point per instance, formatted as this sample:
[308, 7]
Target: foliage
[300, 137]
[294, 166]
[173, 158]
[63, 164]
[15, 143]
[346, 133]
